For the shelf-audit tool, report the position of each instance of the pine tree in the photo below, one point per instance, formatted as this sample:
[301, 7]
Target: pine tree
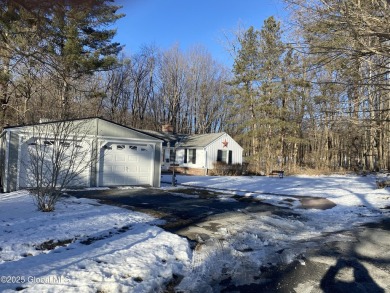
[245, 87]
[79, 42]
[257, 85]
[67, 39]
[272, 105]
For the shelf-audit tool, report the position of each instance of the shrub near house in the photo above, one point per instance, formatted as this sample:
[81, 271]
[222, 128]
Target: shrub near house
[224, 169]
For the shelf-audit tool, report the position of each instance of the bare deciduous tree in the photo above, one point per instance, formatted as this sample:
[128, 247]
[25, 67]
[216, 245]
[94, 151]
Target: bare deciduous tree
[59, 156]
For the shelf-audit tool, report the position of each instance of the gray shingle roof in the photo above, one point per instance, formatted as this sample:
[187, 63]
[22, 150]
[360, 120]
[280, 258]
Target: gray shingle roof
[199, 140]
[188, 141]
[167, 137]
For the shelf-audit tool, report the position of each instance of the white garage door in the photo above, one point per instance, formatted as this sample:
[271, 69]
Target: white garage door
[126, 164]
[42, 160]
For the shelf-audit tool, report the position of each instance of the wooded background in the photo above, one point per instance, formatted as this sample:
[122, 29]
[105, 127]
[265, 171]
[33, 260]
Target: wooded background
[313, 94]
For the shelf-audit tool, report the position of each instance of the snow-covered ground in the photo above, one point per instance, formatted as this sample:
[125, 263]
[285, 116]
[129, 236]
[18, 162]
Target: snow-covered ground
[110, 249]
[357, 198]
[244, 242]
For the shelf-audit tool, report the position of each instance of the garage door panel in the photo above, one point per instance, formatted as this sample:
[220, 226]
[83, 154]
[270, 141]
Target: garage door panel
[132, 181]
[133, 169]
[143, 179]
[110, 180]
[126, 164]
[119, 169]
[120, 158]
[144, 169]
[132, 158]
[108, 169]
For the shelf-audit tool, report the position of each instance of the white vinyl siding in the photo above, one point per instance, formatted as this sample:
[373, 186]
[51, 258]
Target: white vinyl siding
[225, 156]
[203, 157]
[189, 156]
[193, 158]
[231, 154]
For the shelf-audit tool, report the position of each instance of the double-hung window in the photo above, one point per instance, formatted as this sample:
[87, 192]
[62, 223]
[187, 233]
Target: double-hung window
[190, 156]
[225, 156]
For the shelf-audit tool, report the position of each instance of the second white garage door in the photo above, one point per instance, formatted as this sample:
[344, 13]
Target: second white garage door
[126, 164]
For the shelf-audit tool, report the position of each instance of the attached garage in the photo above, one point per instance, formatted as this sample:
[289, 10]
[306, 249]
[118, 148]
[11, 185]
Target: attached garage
[107, 154]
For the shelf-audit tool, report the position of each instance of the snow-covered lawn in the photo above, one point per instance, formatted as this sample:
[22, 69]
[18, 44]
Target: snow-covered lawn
[357, 198]
[84, 246]
[106, 248]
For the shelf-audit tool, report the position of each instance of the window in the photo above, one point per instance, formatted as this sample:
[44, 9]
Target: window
[65, 144]
[192, 156]
[120, 147]
[225, 156]
[219, 156]
[133, 147]
[172, 156]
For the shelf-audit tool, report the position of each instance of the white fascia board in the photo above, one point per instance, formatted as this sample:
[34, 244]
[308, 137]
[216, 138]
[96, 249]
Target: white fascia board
[124, 139]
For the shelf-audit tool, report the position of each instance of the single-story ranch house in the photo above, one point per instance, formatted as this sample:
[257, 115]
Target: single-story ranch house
[116, 155]
[197, 154]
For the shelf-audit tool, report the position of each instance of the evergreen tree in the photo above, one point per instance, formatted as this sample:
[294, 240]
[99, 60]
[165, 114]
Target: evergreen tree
[245, 87]
[19, 30]
[79, 42]
[271, 105]
[257, 85]
[66, 38]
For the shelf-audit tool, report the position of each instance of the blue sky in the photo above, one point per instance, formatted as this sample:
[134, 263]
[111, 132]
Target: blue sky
[189, 23]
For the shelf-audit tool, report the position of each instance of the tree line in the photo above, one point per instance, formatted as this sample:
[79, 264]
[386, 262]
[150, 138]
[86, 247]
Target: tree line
[58, 61]
[315, 96]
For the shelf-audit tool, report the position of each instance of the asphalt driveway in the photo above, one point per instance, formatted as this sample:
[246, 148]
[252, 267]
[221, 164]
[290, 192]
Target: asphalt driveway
[182, 209]
[331, 267]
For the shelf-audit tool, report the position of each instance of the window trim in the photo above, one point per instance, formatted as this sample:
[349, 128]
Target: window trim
[225, 156]
[192, 156]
